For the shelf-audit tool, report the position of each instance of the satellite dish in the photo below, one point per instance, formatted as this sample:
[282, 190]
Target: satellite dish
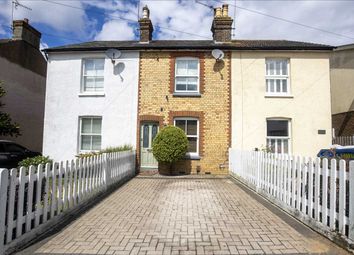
[217, 54]
[113, 54]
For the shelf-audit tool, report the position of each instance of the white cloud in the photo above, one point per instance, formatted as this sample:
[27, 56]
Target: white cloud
[187, 16]
[115, 30]
[58, 17]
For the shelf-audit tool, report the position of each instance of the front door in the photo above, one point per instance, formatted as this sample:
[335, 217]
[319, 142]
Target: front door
[148, 132]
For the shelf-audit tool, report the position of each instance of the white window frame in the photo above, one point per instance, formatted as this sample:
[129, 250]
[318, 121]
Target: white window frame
[187, 76]
[82, 89]
[282, 138]
[192, 136]
[278, 77]
[88, 134]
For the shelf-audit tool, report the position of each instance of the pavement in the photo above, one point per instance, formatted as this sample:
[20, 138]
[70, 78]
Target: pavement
[184, 216]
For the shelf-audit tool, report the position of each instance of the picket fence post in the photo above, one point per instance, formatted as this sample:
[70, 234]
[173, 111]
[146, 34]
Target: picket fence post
[4, 179]
[351, 201]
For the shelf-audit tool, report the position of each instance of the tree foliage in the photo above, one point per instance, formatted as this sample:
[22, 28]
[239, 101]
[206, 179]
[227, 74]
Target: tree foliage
[7, 126]
[170, 145]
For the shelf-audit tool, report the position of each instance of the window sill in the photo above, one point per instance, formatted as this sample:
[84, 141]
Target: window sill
[192, 157]
[97, 94]
[186, 94]
[279, 96]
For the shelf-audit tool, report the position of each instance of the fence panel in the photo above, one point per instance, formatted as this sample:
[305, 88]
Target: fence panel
[343, 140]
[316, 192]
[34, 199]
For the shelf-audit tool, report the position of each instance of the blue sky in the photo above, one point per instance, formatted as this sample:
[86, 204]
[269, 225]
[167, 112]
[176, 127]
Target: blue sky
[73, 21]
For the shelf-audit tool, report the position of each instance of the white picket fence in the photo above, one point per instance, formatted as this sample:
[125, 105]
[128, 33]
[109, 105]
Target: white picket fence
[344, 140]
[31, 200]
[318, 192]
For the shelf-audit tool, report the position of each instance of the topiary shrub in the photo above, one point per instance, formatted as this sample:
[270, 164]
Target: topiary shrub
[35, 161]
[170, 145]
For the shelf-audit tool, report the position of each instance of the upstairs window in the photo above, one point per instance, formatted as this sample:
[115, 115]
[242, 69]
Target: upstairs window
[277, 77]
[187, 75]
[93, 75]
[278, 136]
[90, 133]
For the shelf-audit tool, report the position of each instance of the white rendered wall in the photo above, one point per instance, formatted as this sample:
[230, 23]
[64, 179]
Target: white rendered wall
[309, 108]
[64, 105]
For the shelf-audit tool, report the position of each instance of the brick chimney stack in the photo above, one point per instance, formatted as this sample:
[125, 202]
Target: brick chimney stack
[146, 27]
[222, 24]
[22, 30]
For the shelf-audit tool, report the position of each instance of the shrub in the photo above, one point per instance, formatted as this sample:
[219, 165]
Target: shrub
[125, 147]
[35, 161]
[170, 145]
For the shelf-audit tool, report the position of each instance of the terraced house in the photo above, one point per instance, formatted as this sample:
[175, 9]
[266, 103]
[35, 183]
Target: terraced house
[247, 94]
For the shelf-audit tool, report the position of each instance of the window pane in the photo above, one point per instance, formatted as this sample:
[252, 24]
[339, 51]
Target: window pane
[181, 124]
[278, 86]
[181, 87]
[96, 142]
[99, 83]
[86, 125]
[86, 142]
[279, 146]
[182, 67]
[286, 146]
[192, 127]
[277, 128]
[192, 146]
[89, 67]
[284, 67]
[146, 136]
[99, 66]
[271, 85]
[89, 83]
[154, 132]
[193, 67]
[285, 85]
[271, 68]
[96, 126]
[278, 67]
[181, 83]
[192, 87]
[272, 145]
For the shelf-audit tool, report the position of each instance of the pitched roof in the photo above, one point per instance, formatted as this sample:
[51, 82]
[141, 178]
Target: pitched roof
[192, 44]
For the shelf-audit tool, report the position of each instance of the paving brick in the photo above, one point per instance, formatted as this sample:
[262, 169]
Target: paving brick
[179, 216]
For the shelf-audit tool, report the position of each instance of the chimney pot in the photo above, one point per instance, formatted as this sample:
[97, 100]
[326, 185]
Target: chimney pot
[218, 12]
[225, 10]
[146, 12]
[146, 27]
[26, 20]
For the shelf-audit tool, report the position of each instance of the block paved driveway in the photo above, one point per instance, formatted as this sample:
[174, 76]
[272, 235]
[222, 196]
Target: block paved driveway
[184, 216]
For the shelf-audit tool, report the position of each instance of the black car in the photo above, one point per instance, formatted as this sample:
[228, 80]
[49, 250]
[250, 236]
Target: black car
[12, 153]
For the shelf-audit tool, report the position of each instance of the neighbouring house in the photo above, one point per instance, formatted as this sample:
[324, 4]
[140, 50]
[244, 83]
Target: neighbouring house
[23, 73]
[342, 90]
[91, 102]
[281, 97]
[276, 92]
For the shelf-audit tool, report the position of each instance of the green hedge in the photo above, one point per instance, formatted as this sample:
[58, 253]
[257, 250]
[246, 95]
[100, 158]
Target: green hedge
[35, 161]
[125, 147]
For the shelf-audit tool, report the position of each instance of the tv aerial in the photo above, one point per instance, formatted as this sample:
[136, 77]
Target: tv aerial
[15, 5]
[217, 54]
[113, 55]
